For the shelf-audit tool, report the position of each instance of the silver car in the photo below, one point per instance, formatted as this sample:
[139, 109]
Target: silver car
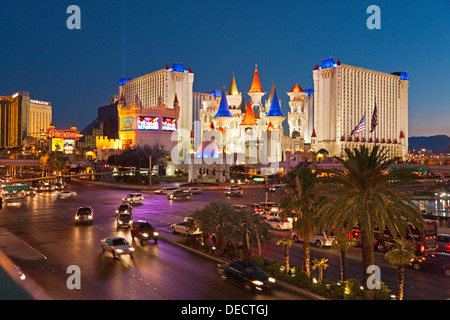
[117, 246]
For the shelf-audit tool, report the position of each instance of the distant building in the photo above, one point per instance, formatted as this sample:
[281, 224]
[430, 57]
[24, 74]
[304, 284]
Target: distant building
[21, 116]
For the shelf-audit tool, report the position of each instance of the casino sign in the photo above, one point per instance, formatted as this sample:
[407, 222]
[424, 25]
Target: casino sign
[63, 140]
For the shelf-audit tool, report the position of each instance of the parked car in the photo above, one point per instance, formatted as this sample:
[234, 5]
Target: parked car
[179, 194]
[270, 206]
[247, 274]
[185, 228]
[123, 220]
[66, 194]
[256, 208]
[194, 190]
[166, 190]
[320, 240]
[437, 262]
[144, 231]
[132, 198]
[84, 215]
[443, 241]
[280, 224]
[234, 191]
[117, 246]
[124, 208]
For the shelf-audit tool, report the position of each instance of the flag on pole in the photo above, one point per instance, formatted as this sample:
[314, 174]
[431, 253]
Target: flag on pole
[360, 127]
[374, 122]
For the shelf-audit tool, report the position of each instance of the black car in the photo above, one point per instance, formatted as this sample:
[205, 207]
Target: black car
[437, 262]
[84, 215]
[247, 274]
[124, 220]
[144, 231]
[124, 208]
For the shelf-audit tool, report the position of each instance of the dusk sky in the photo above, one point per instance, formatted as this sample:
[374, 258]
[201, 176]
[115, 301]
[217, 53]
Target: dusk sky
[78, 70]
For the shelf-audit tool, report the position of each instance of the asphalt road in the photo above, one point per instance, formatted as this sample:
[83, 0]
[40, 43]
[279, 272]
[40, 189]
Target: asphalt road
[163, 271]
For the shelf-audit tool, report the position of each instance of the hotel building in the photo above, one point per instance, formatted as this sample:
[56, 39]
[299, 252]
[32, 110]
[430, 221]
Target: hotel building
[343, 94]
[21, 116]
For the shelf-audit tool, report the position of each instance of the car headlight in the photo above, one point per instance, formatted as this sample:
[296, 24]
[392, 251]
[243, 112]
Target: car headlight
[90, 217]
[77, 217]
[117, 211]
[271, 279]
[131, 249]
[145, 235]
[257, 282]
[120, 222]
[155, 234]
[119, 250]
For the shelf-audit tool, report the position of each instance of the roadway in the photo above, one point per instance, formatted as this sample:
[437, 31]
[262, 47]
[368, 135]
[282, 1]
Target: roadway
[158, 272]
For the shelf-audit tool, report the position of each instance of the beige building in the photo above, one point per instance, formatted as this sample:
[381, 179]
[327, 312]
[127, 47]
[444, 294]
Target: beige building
[343, 94]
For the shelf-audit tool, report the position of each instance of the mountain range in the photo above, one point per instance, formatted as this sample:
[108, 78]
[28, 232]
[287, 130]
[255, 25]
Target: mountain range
[439, 143]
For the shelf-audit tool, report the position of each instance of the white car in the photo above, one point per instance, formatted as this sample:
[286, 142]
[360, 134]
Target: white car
[194, 190]
[66, 194]
[320, 240]
[280, 224]
[166, 190]
[270, 207]
[133, 198]
[183, 228]
[117, 246]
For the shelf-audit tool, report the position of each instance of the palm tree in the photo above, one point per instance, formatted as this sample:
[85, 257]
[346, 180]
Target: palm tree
[212, 220]
[248, 229]
[302, 197]
[400, 253]
[321, 265]
[343, 243]
[365, 197]
[286, 242]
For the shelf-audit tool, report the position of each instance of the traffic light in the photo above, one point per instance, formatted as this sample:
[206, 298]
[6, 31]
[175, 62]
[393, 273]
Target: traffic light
[207, 171]
[267, 188]
[223, 172]
[199, 171]
[213, 171]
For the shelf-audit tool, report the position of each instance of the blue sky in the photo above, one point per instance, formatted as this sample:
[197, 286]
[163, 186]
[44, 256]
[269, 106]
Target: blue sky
[77, 70]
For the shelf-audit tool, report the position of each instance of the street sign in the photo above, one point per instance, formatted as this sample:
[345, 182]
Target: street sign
[17, 188]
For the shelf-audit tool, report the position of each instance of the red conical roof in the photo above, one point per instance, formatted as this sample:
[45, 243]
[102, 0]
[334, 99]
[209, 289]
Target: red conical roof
[249, 117]
[297, 88]
[256, 84]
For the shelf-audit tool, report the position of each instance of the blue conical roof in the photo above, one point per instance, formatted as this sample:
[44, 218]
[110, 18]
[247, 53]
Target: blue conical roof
[224, 110]
[275, 108]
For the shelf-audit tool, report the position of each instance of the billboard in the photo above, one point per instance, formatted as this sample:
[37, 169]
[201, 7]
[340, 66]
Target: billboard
[57, 144]
[169, 124]
[126, 123]
[69, 146]
[148, 123]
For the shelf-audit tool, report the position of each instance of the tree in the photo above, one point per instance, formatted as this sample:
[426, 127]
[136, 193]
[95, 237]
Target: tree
[321, 265]
[400, 253]
[58, 162]
[343, 243]
[303, 198]
[286, 242]
[364, 196]
[133, 156]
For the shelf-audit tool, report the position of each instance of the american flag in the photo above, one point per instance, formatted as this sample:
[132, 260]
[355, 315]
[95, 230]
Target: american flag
[374, 122]
[360, 127]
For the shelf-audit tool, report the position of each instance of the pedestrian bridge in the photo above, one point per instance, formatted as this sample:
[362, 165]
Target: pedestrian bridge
[19, 163]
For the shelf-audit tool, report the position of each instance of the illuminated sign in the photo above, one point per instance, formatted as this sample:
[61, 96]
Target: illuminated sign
[45, 103]
[69, 146]
[57, 144]
[126, 123]
[169, 124]
[148, 123]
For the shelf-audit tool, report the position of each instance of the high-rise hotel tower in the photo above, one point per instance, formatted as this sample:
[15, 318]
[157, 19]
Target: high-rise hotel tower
[344, 94]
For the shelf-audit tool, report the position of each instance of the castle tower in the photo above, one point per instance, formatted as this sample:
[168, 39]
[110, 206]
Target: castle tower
[298, 116]
[256, 93]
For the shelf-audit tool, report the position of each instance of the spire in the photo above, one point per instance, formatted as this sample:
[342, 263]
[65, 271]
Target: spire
[275, 108]
[256, 84]
[233, 91]
[271, 93]
[270, 127]
[297, 88]
[313, 135]
[249, 117]
[243, 108]
[224, 110]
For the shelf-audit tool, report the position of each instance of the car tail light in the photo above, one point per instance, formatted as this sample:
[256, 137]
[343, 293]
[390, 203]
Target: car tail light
[422, 248]
[325, 238]
[448, 247]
